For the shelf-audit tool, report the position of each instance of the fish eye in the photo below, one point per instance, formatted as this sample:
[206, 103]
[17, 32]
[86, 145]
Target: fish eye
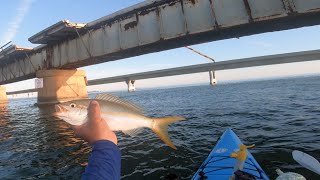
[73, 105]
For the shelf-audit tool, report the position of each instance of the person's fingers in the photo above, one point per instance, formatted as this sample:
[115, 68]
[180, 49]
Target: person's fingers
[94, 112]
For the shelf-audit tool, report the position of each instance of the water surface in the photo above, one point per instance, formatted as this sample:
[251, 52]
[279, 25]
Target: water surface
[277, 115]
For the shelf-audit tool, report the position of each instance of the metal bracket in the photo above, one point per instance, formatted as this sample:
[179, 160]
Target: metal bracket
[131, 86]
[212, 74]
[213, 80]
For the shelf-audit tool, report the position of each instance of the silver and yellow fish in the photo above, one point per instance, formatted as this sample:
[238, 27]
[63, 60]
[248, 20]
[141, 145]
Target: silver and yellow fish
[119, 114]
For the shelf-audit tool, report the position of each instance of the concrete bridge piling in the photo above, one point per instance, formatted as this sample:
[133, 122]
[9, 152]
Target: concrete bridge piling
[3, 95]
[61, 86]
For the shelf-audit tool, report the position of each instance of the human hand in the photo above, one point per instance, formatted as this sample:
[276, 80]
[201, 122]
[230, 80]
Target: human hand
[95, 128]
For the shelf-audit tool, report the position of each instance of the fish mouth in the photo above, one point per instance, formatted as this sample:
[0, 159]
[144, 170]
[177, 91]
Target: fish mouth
[59, 110]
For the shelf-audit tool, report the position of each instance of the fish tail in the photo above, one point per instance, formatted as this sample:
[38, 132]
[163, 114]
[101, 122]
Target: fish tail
[160, 127]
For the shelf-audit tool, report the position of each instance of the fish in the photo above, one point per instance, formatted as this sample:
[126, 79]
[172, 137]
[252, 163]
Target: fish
[120, 115]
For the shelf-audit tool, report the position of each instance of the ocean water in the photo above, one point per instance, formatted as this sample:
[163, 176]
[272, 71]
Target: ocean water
[279, 116]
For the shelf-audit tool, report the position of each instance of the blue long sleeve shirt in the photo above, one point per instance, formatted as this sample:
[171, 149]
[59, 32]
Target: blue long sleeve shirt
[104, 161]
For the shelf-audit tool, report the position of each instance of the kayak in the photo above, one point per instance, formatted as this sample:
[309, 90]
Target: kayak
[220, 166]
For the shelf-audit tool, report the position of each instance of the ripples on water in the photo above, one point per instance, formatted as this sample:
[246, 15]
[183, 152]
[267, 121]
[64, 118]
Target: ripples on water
[276, 115]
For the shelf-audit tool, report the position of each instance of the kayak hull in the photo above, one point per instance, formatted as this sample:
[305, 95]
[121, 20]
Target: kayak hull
[220, 166]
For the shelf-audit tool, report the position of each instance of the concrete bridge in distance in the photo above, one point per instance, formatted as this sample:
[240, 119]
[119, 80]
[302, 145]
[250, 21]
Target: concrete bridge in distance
[206, 67]
[148, 27]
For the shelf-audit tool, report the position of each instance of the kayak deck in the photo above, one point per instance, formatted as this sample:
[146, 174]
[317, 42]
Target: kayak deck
[219, 164]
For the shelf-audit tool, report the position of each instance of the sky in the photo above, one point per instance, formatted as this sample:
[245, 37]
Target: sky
[20, 19]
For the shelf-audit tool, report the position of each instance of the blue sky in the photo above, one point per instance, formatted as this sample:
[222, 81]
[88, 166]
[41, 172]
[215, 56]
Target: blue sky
[20, 19]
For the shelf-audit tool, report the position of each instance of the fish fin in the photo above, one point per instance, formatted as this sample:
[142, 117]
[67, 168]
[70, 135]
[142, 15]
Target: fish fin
[160, 127]
[133, 132]
[115, 99]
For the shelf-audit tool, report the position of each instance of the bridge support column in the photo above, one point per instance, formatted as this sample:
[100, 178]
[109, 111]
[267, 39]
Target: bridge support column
[61, 85]
[131, 86]
[3, 95]
[213, 80]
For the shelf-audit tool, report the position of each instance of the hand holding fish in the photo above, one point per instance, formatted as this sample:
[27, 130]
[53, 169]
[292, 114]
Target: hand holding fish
[95, 128]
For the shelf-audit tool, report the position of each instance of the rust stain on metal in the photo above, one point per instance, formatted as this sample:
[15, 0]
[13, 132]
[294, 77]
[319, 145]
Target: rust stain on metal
[137, 18]
[182, 7]
[130, 25]
[146, 11]
[125, 16]
[157, 12]
[193, 1]
[248, 9]
[47, 63]
[288, 6]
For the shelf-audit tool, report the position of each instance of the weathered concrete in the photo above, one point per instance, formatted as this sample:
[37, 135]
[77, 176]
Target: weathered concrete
[3, 95]
[61, 85]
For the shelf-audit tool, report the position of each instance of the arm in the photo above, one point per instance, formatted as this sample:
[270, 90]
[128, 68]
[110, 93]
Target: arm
[105, 159]
[104, 162]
